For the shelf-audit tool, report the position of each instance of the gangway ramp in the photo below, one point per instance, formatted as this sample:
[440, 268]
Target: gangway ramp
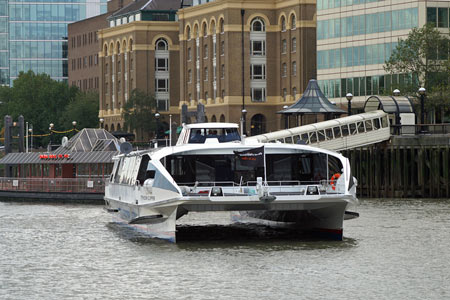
[337, 134]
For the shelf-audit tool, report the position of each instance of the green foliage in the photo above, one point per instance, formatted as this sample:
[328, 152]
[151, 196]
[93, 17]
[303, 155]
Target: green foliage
[421, 55]
[139, 112]
[42, 100]
[83, 109]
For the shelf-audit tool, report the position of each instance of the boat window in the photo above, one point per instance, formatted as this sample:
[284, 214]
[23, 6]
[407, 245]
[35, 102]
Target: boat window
[376, 123]
[329, 133]
[368, 125]
[344, 129]
[141, 176]
[296, 139]
[334, 166]
[288, 140]
[118, 171]
[337, 132]
[223, 135]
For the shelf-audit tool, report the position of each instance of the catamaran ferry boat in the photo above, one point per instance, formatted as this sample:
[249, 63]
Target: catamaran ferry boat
[212, 169]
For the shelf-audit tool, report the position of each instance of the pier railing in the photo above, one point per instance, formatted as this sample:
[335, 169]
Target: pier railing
[53, 185]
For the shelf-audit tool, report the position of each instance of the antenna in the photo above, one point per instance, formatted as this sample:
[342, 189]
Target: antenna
[125, 148]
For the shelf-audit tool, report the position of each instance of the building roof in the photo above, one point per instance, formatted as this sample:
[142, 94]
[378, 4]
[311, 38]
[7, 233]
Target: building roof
[90, 145]
[313, 101]
[139, 5]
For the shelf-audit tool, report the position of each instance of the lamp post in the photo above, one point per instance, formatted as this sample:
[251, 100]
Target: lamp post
[422, 93]
[30, 133]
[349, 97]
[101, 122]
[157, 115]
[286, 118]
[243, 125]
[396, 92]
[74, 124]
[51, 125]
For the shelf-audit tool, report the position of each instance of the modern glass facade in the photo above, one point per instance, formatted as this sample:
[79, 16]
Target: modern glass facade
[368, 23]
[38, 35]
[438, 16]
[328, 4]
[364, 86]
[4, 64]
[354, 56]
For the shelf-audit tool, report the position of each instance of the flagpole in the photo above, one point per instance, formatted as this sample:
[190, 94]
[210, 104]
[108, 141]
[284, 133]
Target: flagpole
[265, 172]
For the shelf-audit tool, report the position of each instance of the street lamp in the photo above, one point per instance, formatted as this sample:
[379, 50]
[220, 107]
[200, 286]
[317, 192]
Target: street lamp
[422, 93]
[396, 92]
[30, 130]
[349, 97]
[74, 124]
[101, 122]
[157, 115]
[51, 125]
[286, 118]
[243, 125]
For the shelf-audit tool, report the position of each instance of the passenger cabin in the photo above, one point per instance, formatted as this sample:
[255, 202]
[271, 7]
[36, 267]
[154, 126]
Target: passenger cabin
[205, 133]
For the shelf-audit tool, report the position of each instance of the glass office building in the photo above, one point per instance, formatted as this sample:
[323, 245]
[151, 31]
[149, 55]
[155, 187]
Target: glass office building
[356, 37]
[33, 35]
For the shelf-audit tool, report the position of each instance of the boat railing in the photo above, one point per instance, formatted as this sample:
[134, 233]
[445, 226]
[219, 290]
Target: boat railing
[53, 185]
[289, 187]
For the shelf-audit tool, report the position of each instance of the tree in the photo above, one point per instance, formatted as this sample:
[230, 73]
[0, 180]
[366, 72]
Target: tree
[422, 55]
[83, 109]
[139, 113]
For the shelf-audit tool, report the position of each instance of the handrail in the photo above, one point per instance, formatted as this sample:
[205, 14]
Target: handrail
[53, 185]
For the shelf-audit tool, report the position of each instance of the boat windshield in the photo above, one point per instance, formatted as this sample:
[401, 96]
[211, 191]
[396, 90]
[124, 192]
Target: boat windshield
[223, 135]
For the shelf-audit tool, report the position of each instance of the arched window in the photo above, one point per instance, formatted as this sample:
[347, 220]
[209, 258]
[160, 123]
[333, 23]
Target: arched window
[131, 45]
[205, 30]
[105, 50]
[106, 127]
[258, 25]
[112, 127]
[283, 24]
[213, 119]
[118, 127]
[188, 33]
[213, 27]
[294, 68]
[161, 45]
[293, 22]
[284, 70]
[222, 26]
[258, 124]
[222, 119]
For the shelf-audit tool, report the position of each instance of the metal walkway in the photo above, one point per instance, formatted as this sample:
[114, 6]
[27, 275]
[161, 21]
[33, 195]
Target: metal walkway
[337, 134]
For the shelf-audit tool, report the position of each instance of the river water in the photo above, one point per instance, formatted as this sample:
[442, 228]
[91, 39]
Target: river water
[397, 249]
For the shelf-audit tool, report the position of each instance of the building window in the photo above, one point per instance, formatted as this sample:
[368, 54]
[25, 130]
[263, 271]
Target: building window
[284, 94]
[106, 69]
[162, 84]
[222, 48]
[189, 76]
[205, 52]
[294, 92]
[222, 75]
[119, 67]
[161, 45]
[258, 94]
[222, 27]
[162, 64]
[223, 94]
[206, 74]
[283, 24]
[258, 25]
[283, 70]
[294, 45]
[131, 64]
[162, 104]
[257, 71]
[283, 46]
[293, 22]
[258, 48]
[189, 54]
[206, 96]
[294, 69]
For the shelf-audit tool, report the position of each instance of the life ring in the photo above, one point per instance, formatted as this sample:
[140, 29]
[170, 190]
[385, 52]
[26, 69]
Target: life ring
[333, 180]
